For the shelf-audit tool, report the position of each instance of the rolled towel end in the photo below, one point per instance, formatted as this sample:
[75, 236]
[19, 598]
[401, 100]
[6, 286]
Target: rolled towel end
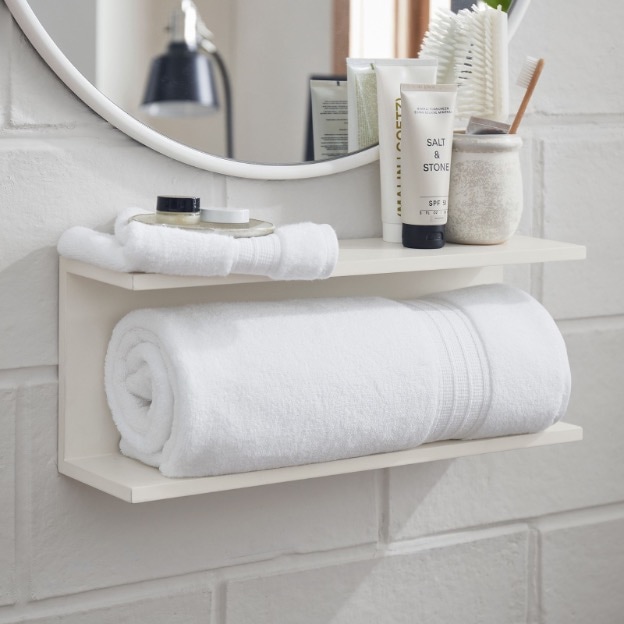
[98, 248]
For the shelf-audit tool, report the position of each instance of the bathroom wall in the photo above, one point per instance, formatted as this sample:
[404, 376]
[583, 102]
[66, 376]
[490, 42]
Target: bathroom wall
[531, 536]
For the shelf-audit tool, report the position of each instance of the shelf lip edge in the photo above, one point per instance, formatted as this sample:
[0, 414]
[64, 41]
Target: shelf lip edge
[401, 261]
[379, 266]
[164, 488]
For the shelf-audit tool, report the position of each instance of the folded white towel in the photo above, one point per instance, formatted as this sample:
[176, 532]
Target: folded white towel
[234, 387]
[302, 251]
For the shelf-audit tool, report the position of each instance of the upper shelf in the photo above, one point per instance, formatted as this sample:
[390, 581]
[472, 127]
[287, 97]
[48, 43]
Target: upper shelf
[366, 256]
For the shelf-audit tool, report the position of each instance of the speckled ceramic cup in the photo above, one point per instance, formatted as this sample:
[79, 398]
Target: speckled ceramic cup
[485, 193]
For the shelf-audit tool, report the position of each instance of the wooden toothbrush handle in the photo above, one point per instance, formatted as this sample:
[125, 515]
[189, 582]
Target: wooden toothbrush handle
[527, 96]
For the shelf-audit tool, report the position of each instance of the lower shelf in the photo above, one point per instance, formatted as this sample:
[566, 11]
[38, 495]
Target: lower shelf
[136, 483]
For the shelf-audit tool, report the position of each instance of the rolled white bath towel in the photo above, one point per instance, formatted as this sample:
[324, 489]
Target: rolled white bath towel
[301, 251]
[234, 387]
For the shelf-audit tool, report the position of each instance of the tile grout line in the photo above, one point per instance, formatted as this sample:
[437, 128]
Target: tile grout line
[23, 505]
[537, 217]
[592, 323]
[219, 602]
[13, 581]
[567, 517]
[534, 576]
[65, 605]
[8, 100]
[28, 376]
[382, 490]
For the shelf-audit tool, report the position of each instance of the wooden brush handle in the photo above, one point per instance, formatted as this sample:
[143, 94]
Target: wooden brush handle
[527, 96]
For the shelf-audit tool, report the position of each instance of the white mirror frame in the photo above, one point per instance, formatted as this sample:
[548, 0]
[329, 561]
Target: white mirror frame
[59, 63]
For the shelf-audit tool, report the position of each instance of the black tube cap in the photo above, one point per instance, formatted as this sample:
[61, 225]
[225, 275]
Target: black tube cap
[423, 236]
[169, 203]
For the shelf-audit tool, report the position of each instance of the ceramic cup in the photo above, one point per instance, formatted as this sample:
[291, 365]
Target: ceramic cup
[485, 193]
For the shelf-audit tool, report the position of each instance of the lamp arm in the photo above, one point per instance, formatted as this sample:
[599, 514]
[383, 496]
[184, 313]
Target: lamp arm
[205, 39]
[211, 49]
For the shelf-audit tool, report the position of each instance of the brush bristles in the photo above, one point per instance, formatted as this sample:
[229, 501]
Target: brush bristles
[481, 63]
[438, 44]
[526, 73]
[471, 49]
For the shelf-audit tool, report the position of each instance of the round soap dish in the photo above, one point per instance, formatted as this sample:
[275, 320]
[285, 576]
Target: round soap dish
[238, 230]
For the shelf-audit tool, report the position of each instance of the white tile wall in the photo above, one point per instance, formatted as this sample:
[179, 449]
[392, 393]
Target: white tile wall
[177, 607]
[582, 567]
[332, 202]
[582, 48]
[442, 543]
[480, 581]
[583, 202]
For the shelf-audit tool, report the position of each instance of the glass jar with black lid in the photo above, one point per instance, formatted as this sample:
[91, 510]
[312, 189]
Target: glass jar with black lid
[175, 210]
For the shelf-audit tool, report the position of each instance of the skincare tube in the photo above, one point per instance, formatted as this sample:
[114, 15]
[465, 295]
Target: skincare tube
[362, 103]
[391, 73]
[426, 147]
[329, 118]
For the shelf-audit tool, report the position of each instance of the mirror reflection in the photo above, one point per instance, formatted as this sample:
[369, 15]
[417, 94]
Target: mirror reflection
[270, 48]
[252, 65]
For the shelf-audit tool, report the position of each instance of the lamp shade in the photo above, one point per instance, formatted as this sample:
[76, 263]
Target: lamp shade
[181, 84]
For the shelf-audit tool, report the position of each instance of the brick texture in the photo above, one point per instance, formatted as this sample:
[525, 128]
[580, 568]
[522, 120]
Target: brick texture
[479, 582]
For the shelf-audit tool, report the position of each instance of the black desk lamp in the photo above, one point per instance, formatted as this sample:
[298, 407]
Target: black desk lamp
[181, 82]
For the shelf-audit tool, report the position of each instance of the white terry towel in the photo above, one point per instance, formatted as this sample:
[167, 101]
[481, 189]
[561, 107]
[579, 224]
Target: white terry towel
[301, 251]
[234, 387]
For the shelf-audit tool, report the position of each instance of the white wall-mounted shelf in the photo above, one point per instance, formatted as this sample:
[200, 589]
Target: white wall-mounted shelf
[92, 300]
[368, 256]
[137, 483]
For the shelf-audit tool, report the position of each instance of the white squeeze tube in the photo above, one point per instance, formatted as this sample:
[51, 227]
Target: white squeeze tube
[329, 118]
[391, 73]
[426, 147]
[362, 103]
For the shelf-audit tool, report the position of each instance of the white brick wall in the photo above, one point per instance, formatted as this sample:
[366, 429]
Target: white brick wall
[482, 578]
[529, 537]
[581, 559]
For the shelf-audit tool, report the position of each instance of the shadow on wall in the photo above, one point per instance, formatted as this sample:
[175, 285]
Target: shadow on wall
[425, 478]
[29, 310]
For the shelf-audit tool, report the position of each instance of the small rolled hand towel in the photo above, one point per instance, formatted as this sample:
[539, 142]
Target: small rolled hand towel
[301, 251]
[233, 387]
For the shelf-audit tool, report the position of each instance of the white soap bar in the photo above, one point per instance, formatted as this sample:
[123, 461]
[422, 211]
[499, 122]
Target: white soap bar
[225, 215]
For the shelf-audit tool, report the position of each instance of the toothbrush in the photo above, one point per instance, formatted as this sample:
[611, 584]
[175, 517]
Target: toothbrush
[529, 75]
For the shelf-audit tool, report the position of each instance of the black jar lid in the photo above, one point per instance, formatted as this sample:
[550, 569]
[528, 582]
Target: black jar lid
[170, 203]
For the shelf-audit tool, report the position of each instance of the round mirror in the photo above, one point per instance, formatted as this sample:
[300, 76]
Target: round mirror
[257, 120]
